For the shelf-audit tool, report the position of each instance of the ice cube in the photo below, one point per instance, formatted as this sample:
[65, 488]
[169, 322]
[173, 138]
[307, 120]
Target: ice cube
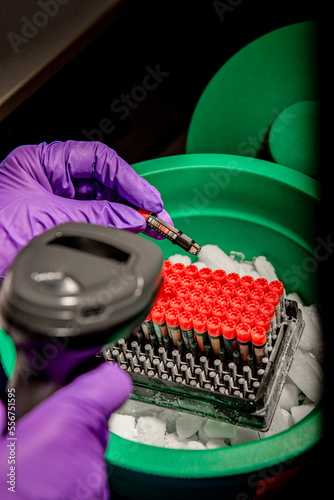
[184, 259]
[215, 443]
[277, 425]
[172, 440]
[312, 337]
[299, 412]
[123, 425]
[188, 425]
[217, 429]
[195, 445]
[288, 418]
[215, 258]
[265, 268]
[244, 435]
[305, 377]
[151, 430]
[289, 396]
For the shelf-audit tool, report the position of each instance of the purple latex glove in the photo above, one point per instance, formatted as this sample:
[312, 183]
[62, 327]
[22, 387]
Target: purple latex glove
[60, 445]
[49, 184]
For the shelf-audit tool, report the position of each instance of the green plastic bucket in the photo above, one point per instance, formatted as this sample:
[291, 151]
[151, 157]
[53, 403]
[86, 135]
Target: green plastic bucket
[259, 208]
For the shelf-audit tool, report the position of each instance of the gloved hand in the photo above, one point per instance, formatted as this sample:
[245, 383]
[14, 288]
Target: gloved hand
[49, 184]
[60, 445]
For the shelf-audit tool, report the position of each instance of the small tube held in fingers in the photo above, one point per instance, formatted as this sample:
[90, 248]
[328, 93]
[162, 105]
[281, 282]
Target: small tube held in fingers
[171, 233]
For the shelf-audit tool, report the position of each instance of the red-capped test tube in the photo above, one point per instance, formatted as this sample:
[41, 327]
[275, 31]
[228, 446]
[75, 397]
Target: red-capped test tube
[248, 317]
[219, 311]
[192, 271]
[214, 333]
[252, 306]
[256, 294]
[238, 302]
[159, 322]
[259, 339]
[205, 273]
[277, 287]
[233, 279]
[177, 303]
[200, 284]
[187, 281]
[242, 291]
[182, 292]
[219, 275]
[173, 279]
[200, 331]
[243, 331]
[234, 314]
[191, 306]
[261, 284]
[173, 324]
[228, 288]
[269, 310]
[178, 268]
[163, 301]
[224, 300]
[228, 329]
[210, 297]
[264, 321]
[214, 286]
[186, 326]
[195, 294]
[167, 266]
[273, 299]
[169, 290]
[247, 281]
[204, 308]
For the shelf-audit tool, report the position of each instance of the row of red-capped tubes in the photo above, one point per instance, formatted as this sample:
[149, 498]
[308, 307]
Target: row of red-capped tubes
[233, 300]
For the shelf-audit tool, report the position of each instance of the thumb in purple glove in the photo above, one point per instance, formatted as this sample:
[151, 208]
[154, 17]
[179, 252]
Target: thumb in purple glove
[60, 444]
[49, 184]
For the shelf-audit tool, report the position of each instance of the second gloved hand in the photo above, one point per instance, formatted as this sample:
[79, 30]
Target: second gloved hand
[49, 184]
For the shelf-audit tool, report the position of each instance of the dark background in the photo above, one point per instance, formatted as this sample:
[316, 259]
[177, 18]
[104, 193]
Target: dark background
[189, 41]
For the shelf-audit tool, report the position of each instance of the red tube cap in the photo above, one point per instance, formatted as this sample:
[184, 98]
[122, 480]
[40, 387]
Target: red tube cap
[219, 275]
[205, 273]
[163, 301]
[276, 286]
[191, 270]
[256, 294]
[271, 298]
[243, 332]
[172, 317]
[191, 306]
[177, 303]
[242, 291]
[186, 320]
[210, 297]
[169, 290]
[248, 317]
[195, 294]
[252, 306]
[247, 281]
[219, 311]
[158, 315]
[228, 288]
[167, 266]
[261, 284]
[187, 281]
[173, 279]
[182, 292]
[214, 326]
[214, 286]
[233, 279]
[200, 284]
[233, 313]
[224, 300]
[262, 320]
[268, 309]
[199, 323]
[178, 268]
[238, 302]
[204, 308]
[258, 336]
[228, 327]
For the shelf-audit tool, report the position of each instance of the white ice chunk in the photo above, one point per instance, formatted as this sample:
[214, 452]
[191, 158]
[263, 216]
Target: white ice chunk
[215, 258]
[289, 397]
[188, 425]
[151, 430]
[265, 268]
[172, 440]
[277, 425]
[244, 435]
[217, 429]
[287, 417]
[215, 443]
[312, 337]
[305, 377]
[195, 445]
[184, 259]
[299, 412]
[123, 425]
[246, 268]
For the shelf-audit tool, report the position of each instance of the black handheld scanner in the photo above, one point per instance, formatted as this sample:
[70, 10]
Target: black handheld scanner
[69, 292]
